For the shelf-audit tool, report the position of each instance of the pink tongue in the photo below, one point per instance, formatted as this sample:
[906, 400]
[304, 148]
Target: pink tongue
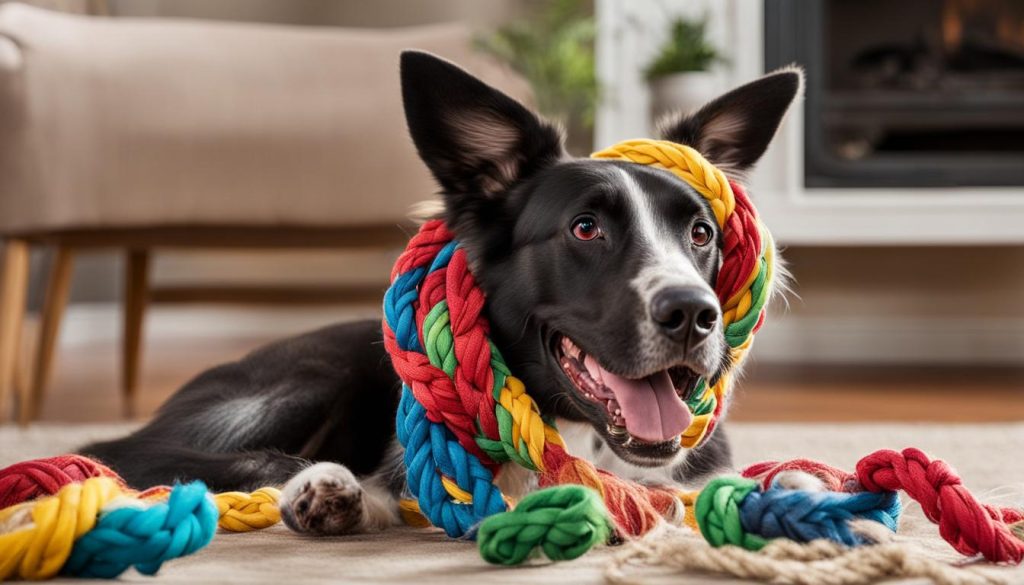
[650, 406]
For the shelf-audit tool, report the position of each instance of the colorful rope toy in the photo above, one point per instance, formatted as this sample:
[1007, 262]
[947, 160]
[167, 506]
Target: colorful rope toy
[74, 516]
[462, 413]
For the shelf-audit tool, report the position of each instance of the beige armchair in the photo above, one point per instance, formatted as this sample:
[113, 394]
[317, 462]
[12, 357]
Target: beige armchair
[141, 134]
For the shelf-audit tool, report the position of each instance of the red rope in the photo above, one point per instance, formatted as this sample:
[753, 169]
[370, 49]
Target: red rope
[741, 246]
[636, 508]
[971, 527]
[28, 480]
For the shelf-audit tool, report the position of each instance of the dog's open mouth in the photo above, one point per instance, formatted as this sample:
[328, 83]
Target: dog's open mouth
[651, 409]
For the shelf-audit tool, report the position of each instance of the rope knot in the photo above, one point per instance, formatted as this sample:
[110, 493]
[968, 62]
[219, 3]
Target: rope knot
[564, 521]
[718, 513]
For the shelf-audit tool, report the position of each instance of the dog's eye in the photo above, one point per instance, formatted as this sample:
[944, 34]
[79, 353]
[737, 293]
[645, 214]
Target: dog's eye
[585, 228]
[701, 233]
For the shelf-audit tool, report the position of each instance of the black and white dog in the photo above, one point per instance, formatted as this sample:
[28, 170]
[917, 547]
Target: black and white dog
[599, 282]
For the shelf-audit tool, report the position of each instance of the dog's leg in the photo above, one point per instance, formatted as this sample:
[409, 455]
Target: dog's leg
[327, 499]
[146, 464]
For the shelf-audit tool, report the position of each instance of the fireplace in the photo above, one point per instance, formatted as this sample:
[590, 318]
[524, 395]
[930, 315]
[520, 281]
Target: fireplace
[915, 93]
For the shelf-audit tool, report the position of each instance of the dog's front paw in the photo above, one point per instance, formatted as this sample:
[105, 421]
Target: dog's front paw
[324, 499]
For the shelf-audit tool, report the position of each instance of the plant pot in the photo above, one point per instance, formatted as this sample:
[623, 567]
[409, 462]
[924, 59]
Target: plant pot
[682, 92]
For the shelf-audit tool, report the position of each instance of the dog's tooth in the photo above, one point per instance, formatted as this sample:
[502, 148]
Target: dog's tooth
[613, 406]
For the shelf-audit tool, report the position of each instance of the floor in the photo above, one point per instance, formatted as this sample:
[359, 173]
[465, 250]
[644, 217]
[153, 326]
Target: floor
[985, 455]
[85, 387]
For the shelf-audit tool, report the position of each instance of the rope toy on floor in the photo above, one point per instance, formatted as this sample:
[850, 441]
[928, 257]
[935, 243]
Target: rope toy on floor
[732, 510]
[73, 515]
[759, 530]
[785, 562]
[28, 480]
[971, 527]
[462, 413]
[565, 522]
[91, 529]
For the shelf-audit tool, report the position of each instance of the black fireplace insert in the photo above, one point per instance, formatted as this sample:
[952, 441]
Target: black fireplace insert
[908, 93]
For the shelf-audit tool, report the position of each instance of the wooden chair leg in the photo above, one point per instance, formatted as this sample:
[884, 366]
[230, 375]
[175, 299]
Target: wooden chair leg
[56, 300]
[136, 293]
[13, 290]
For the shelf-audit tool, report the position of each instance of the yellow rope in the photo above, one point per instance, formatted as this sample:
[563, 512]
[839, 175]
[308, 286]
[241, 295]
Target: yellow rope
[239, 511]
[527, 422]
[39, 535]
[242, 512]
[685, 163]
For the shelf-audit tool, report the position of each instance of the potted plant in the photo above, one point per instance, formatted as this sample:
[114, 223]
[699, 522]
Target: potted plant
[554, 51]
[679, 75]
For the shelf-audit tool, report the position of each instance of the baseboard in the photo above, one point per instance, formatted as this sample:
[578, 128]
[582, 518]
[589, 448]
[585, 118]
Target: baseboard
[785, 339]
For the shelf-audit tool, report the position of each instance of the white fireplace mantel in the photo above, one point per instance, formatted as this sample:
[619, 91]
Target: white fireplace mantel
[629, 34]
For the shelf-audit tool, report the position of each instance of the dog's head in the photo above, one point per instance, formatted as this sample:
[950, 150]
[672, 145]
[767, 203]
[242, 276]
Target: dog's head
[599, 274]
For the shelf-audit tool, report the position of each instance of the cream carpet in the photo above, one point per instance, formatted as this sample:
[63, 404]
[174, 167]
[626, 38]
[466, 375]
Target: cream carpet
[987, 456]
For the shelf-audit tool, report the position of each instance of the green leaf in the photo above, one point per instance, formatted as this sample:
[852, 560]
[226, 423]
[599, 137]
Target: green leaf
[554, 51]
[687, 49]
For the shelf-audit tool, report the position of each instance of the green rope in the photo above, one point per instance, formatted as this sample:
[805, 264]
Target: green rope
[718, 513]
[564, 521]
[736, 333]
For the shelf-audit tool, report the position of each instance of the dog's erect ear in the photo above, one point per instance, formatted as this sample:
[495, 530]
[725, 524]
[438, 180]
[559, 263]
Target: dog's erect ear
[474, 139]
[733, 130]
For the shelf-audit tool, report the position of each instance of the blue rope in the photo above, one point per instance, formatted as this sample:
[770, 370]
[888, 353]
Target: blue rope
[146, 537]
[804, 516]
[431, 450]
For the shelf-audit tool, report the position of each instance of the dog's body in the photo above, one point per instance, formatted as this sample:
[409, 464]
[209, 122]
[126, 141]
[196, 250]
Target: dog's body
[599, 281]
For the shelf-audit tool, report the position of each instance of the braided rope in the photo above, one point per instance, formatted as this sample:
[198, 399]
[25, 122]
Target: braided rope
[145, 537]
[564, 523]
[28, 480]
[244, 512]
[74, 531]
[732, 510]
[819, 562]
[969, 526]
[462, 414]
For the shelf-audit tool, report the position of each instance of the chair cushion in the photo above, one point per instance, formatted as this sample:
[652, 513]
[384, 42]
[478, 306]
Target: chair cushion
[110, 122]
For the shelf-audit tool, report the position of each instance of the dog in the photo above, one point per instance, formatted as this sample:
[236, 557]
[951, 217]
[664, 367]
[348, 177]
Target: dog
[599, 278]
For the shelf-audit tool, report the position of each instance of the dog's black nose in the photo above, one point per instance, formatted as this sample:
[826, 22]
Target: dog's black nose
[685, 314]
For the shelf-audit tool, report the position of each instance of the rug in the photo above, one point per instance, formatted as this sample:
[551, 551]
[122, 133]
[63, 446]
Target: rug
[987, 457]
